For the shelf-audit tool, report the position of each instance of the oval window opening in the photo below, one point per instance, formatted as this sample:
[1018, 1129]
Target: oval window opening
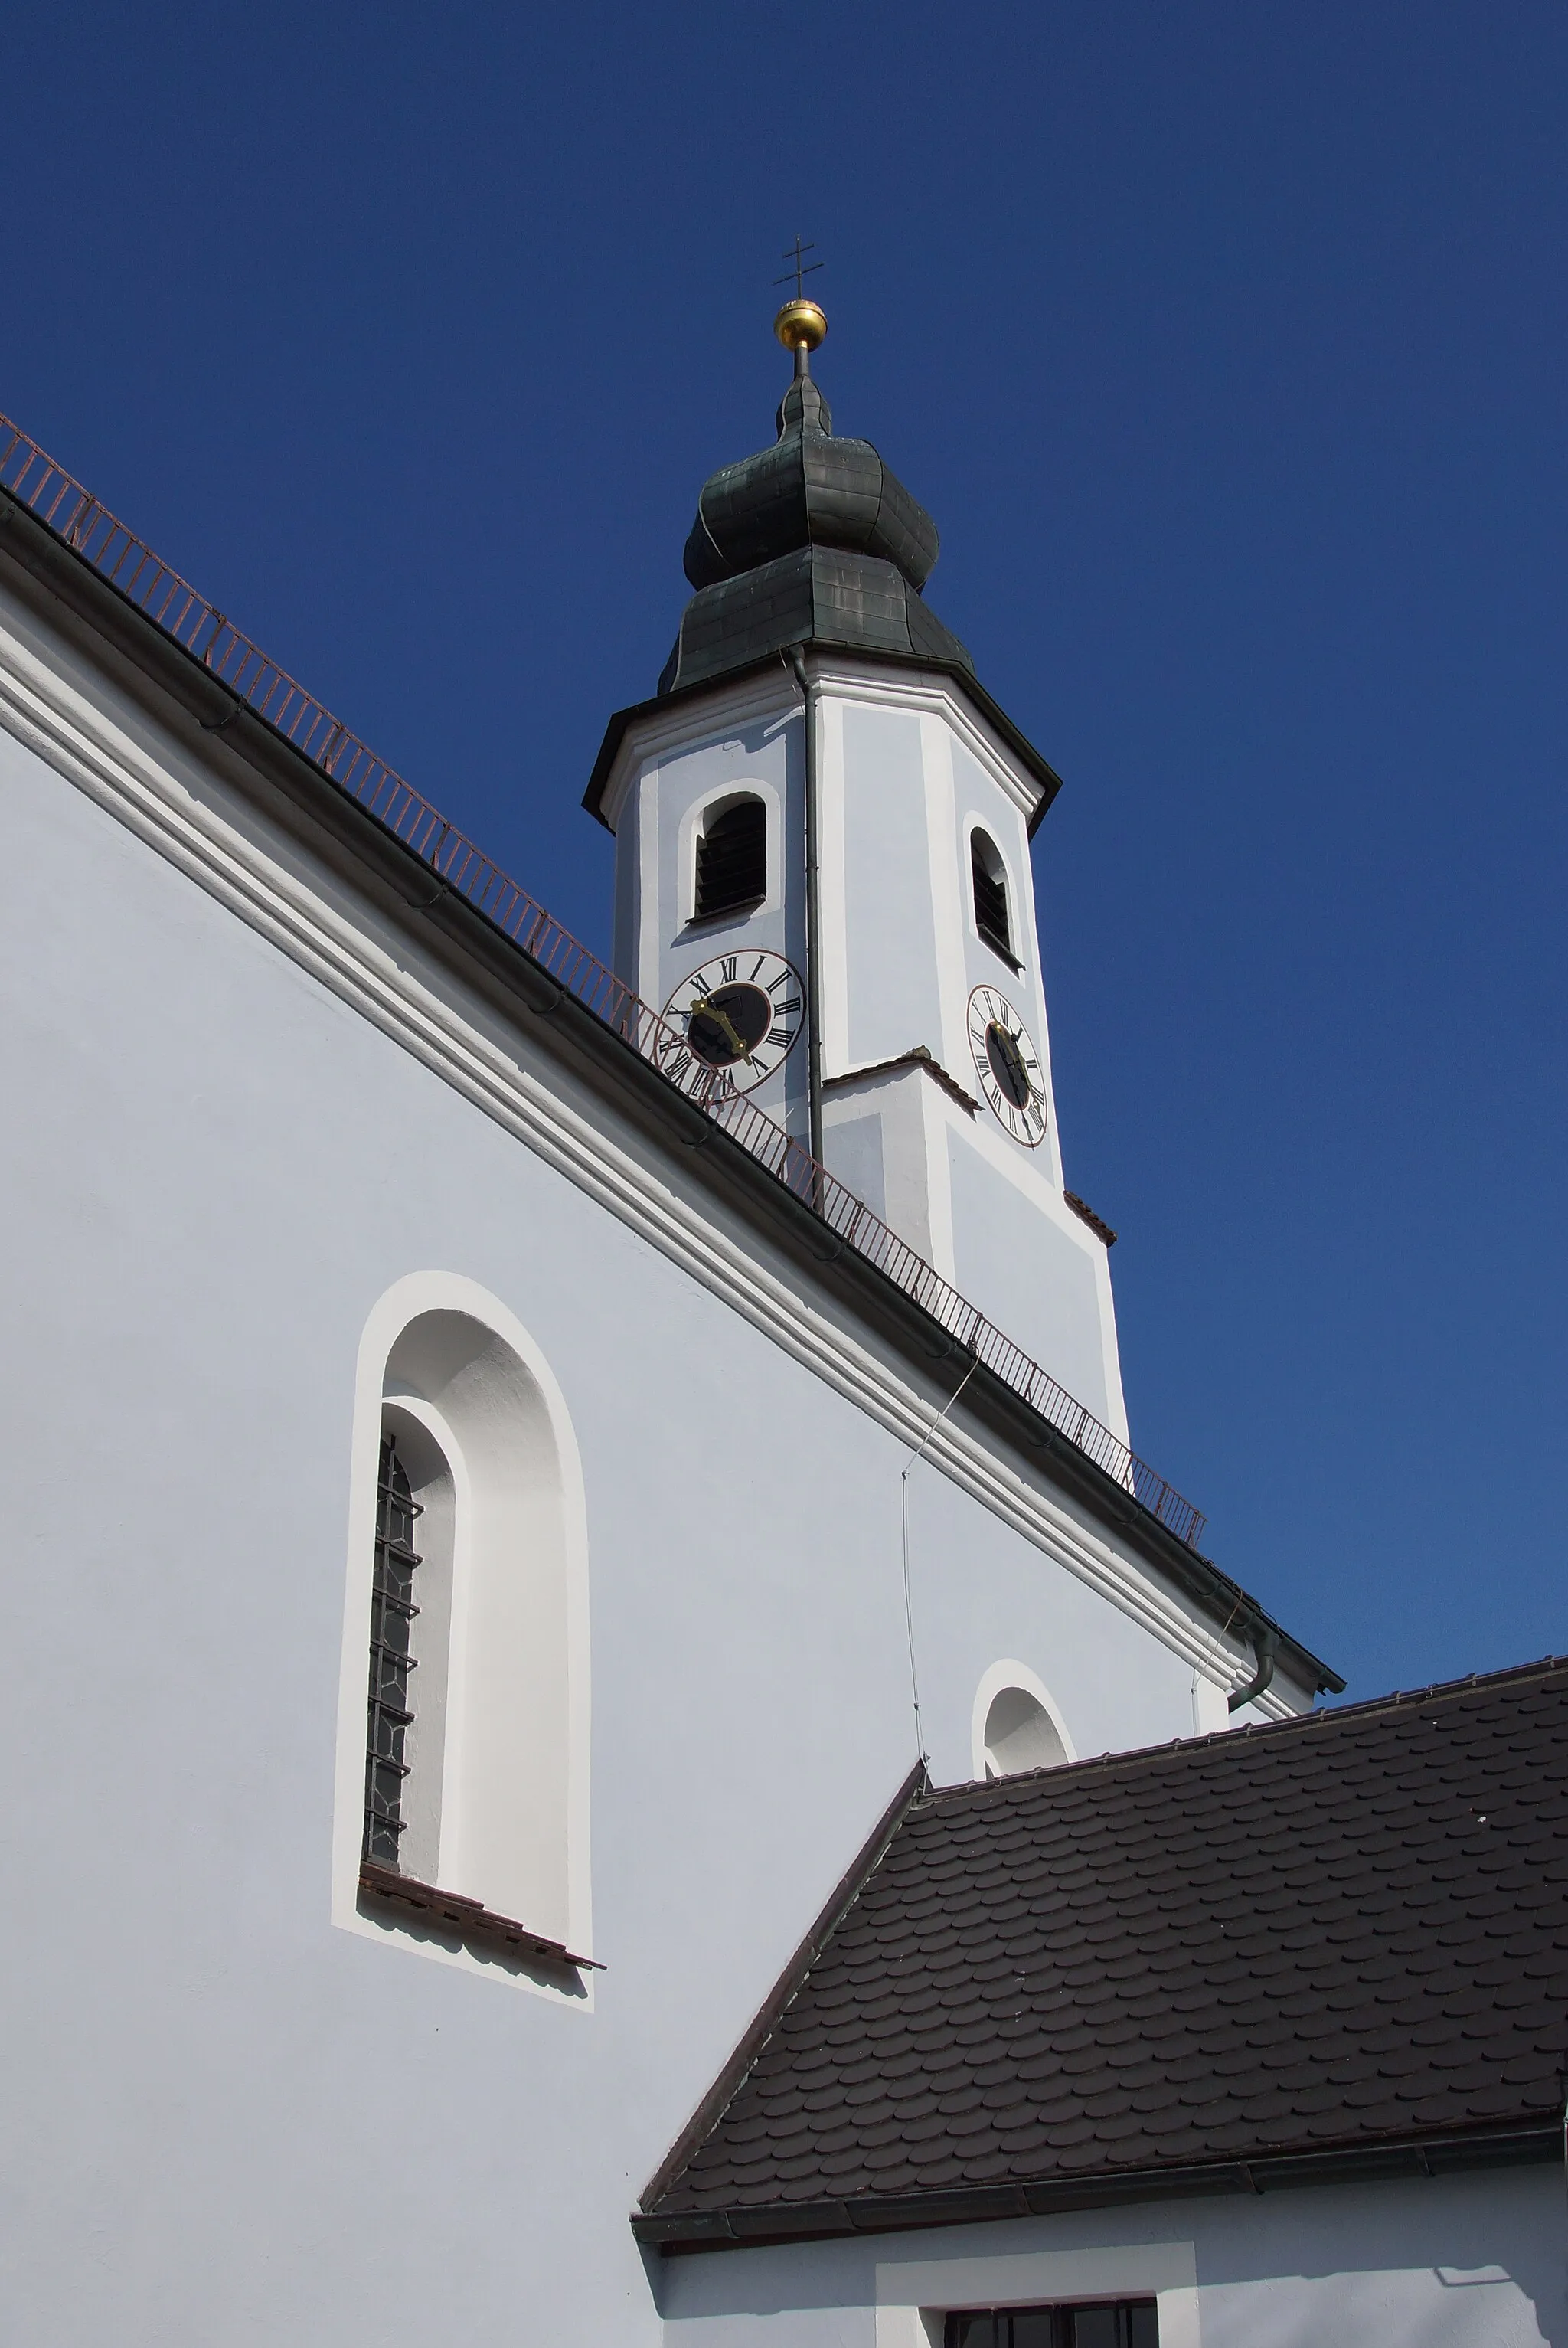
[1020, 1734]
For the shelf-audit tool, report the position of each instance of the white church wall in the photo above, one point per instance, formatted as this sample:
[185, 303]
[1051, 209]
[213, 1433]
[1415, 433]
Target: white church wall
[225, 1166]
[891, 977]
[888, 1128]
[1029, 1264]
[1461, 2261]
[900, 786]
[243, 1107]
[903, 793]
[970, 1584]
[852, 1148]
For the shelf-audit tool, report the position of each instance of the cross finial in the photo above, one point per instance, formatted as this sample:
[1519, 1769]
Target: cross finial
[800, 324]
[800, 269]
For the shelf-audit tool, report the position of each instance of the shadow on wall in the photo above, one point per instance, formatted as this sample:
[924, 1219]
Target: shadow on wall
[512, 1964]
[1472, 2260]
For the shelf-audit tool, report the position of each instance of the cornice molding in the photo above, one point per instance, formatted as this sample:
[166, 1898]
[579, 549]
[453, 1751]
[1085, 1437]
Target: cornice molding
[667, 728]
[984, 725]
[83, 745]
[937, 696]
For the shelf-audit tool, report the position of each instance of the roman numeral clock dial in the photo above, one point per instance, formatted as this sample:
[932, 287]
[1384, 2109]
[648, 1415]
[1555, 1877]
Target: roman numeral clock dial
[738, 1016]
[1008, 1065]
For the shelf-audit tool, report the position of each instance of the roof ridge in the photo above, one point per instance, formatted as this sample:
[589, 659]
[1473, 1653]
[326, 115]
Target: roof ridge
[1321, 1717]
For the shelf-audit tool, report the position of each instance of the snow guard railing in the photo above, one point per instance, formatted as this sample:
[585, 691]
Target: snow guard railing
[77, 519]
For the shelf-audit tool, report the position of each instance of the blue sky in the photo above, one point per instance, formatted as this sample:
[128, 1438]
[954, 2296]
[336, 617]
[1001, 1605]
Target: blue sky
[1226, 345]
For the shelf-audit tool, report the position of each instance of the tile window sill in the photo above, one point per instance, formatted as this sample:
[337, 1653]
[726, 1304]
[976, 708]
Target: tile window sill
[464, 1919]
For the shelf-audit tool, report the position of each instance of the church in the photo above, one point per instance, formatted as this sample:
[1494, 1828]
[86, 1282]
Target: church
[613, 1740]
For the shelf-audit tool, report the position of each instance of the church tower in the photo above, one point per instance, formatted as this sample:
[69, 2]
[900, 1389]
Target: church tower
[823, 825]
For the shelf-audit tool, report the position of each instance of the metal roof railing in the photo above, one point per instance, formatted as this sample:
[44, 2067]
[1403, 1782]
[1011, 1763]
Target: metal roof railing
[211, 637]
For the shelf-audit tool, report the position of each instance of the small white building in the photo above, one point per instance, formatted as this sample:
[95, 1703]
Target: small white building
[512, 1466]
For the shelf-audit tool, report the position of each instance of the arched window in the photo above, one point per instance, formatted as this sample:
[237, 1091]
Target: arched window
[467, 1575]
[732, 860]
[1016, 1725]
[992, 916]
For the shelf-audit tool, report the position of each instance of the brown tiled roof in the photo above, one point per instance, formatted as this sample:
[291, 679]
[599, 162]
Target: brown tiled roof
[1334, 1943]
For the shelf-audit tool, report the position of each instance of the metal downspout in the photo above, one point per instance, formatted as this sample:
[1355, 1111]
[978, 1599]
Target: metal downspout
[812, 909]
[1264, 1647]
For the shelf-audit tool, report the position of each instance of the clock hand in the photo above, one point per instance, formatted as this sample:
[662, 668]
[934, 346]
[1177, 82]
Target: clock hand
[711, 1010]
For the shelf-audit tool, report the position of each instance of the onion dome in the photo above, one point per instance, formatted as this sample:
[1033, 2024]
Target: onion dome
[814, 540]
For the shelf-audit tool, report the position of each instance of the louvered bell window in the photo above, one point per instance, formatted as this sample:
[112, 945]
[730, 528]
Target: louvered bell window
[990, 895]
[733, 861]
[392, 1616]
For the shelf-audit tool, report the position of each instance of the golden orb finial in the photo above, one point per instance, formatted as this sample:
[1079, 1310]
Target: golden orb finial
[800, 326]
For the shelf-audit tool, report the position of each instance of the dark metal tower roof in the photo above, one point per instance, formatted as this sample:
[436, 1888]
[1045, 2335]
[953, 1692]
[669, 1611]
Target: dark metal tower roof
[808, 488]
[814, 540]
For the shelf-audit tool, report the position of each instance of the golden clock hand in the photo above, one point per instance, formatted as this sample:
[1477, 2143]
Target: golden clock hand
[711, 1010]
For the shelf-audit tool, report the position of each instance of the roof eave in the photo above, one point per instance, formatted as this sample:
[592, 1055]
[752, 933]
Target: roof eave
[1038, 767]
[1528, 2139]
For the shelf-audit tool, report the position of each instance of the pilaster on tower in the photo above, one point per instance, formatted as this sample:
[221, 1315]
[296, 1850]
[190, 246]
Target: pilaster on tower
[823, 876]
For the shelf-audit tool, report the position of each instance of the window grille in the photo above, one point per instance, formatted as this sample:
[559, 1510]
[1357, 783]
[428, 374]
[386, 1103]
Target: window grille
[392, 1614]
[1114, 2324]
[732, 860]
[990, 895]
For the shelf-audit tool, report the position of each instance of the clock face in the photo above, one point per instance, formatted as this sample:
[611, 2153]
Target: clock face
[739, 1015]
[1008, 1065]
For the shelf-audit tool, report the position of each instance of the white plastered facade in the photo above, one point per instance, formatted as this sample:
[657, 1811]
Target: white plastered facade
[260, 1129]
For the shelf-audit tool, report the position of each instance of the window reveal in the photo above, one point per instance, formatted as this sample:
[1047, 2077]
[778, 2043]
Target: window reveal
[392, 1612]
[733, 861]
[1119, 2323]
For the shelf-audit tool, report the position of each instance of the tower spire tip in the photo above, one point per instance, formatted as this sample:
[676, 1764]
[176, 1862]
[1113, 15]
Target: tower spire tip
[802, 324]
